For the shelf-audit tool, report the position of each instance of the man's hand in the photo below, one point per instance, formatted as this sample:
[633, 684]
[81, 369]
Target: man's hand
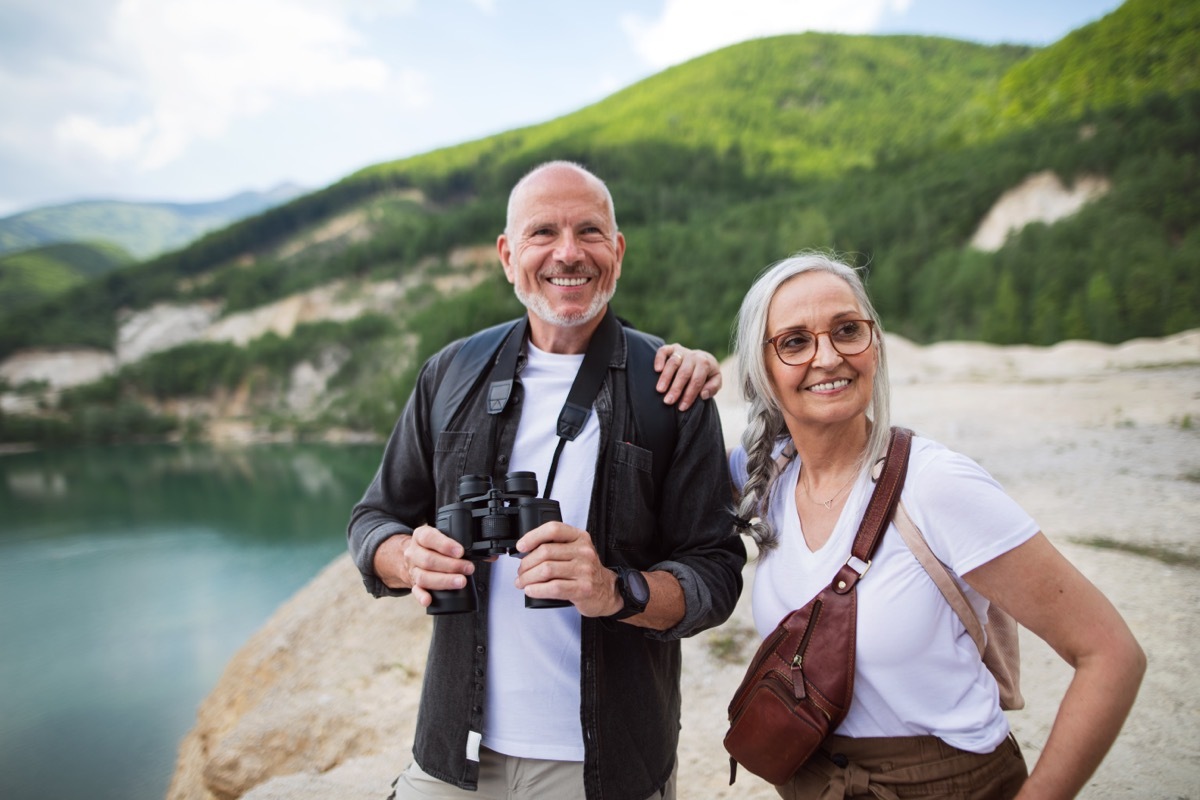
[427, 561]
[560, 563]
[686, 374]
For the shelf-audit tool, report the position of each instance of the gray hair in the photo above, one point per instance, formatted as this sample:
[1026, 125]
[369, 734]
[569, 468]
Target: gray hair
[765, 424]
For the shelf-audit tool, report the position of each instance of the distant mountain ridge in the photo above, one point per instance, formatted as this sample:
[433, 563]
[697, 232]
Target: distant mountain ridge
[142, 228]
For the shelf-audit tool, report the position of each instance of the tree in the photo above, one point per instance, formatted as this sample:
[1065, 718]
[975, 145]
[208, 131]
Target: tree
[1002, 322]
[1100, 304]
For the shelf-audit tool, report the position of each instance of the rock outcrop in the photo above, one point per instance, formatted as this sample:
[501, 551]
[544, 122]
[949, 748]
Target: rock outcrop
[1039, 198]
[325, 693]
[166, 325]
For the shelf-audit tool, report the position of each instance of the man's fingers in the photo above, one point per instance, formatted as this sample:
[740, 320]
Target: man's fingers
[549, 532]
[560, 562]
[430, 538]
[424, 560]
[423, 597]
[434, 564]
[437, 581]
[543, 571]
[553, 552]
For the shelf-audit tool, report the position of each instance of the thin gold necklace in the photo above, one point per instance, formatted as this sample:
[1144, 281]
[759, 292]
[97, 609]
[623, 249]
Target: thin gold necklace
[827, 503]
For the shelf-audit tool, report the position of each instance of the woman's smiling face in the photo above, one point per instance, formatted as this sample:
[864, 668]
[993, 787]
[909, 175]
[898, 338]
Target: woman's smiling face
[831, 389]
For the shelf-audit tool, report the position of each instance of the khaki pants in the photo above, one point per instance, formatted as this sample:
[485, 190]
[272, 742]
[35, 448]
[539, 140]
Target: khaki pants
[897, 768]
[504, 777]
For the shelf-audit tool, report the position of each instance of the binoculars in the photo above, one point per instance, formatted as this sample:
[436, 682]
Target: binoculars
[488, 522]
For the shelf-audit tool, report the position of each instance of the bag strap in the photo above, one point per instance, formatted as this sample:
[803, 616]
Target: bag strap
[940, 574]
[884, 500]
[466, 371]
[655, 421]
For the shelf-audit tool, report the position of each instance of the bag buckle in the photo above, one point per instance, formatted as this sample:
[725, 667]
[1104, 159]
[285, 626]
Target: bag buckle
[858, 565]
[855, 565]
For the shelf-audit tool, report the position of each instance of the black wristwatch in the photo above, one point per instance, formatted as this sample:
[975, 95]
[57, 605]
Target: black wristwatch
[634, 590]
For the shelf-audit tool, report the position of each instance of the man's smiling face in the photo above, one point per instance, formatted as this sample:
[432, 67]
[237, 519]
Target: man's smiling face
[562, 251]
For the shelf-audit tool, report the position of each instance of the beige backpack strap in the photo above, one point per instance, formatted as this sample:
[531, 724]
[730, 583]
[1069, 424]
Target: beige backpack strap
[941, 576]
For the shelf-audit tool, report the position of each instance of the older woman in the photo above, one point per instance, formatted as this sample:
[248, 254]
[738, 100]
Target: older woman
[925, 720]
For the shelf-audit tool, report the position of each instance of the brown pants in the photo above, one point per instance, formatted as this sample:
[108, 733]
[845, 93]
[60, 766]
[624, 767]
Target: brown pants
[504, 777]
[896, 768]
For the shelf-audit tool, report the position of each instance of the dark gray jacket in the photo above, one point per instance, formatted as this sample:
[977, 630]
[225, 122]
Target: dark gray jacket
[630, 676]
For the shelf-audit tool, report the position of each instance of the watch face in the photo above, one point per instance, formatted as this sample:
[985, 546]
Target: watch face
[638, 587]
[634, 590]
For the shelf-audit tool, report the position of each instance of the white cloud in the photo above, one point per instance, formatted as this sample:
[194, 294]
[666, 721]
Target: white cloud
[111, 142]
[688, 28]
[194, 67]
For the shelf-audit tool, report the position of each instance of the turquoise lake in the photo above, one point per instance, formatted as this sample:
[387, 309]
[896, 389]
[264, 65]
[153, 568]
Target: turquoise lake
[128, 578]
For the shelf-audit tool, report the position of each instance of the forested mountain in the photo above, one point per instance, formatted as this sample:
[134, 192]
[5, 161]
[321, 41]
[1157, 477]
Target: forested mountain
[142, 229]
[892, 150]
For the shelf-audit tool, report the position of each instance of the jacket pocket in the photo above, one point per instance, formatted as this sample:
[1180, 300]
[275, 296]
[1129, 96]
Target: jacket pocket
[450, 462]
[631, 503]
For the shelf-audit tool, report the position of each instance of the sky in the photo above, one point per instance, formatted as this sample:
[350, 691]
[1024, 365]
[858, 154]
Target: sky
[196, 100]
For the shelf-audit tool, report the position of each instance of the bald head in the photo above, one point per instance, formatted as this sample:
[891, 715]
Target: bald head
[555, 170]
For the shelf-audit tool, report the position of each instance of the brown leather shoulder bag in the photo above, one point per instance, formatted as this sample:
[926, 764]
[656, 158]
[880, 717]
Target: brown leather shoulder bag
[798, 686]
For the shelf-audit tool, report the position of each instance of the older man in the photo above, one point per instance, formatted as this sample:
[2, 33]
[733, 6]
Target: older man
[581, 701]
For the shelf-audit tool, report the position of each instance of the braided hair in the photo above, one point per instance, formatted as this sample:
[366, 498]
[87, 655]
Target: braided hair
[765, 426]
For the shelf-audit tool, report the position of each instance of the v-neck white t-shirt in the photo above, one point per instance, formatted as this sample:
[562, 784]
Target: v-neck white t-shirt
[917, 670]
[532, 707]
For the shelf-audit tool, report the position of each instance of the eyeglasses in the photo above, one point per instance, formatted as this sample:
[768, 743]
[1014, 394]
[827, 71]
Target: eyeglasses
[797, 347]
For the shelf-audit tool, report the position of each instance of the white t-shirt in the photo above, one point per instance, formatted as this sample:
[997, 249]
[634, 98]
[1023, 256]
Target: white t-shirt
[533, 704]
[917, 670]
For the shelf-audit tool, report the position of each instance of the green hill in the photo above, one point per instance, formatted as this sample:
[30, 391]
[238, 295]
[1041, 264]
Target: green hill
[28, 277]
[1146, 47]
[787, 107]
[890, 149]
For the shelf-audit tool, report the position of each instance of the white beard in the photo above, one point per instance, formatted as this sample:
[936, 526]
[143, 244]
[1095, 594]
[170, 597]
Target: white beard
[539, 306]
